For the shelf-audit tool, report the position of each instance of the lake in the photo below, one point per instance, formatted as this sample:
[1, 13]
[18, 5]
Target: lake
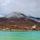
[32, 35]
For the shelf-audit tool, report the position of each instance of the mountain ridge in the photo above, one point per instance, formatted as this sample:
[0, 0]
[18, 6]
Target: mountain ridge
[18, 15]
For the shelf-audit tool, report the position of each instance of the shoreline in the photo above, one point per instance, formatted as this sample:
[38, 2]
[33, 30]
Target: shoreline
[17, 30]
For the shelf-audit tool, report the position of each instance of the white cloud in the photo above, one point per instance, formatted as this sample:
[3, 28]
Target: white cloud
[28, 7]
[1, 16]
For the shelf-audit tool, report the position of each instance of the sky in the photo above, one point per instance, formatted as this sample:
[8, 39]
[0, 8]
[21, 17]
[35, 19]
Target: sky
[28, 7]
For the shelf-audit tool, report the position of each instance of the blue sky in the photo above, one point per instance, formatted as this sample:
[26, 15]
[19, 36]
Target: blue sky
[28, 7]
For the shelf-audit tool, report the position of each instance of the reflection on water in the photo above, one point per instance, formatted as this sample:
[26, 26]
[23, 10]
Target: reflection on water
[20, 35]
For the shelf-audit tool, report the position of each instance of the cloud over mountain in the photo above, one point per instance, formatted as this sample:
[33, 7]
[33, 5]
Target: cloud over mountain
[15, 15]
[31, 7]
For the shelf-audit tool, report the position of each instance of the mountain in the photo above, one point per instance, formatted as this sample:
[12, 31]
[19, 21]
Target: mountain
[18, 16]
[15, 16]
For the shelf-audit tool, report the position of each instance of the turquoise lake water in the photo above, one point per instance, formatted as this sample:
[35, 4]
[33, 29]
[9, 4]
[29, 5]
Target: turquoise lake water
[20, 35]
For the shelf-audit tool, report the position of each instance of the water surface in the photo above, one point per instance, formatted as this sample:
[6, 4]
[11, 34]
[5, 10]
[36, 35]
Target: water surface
[20, 35]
